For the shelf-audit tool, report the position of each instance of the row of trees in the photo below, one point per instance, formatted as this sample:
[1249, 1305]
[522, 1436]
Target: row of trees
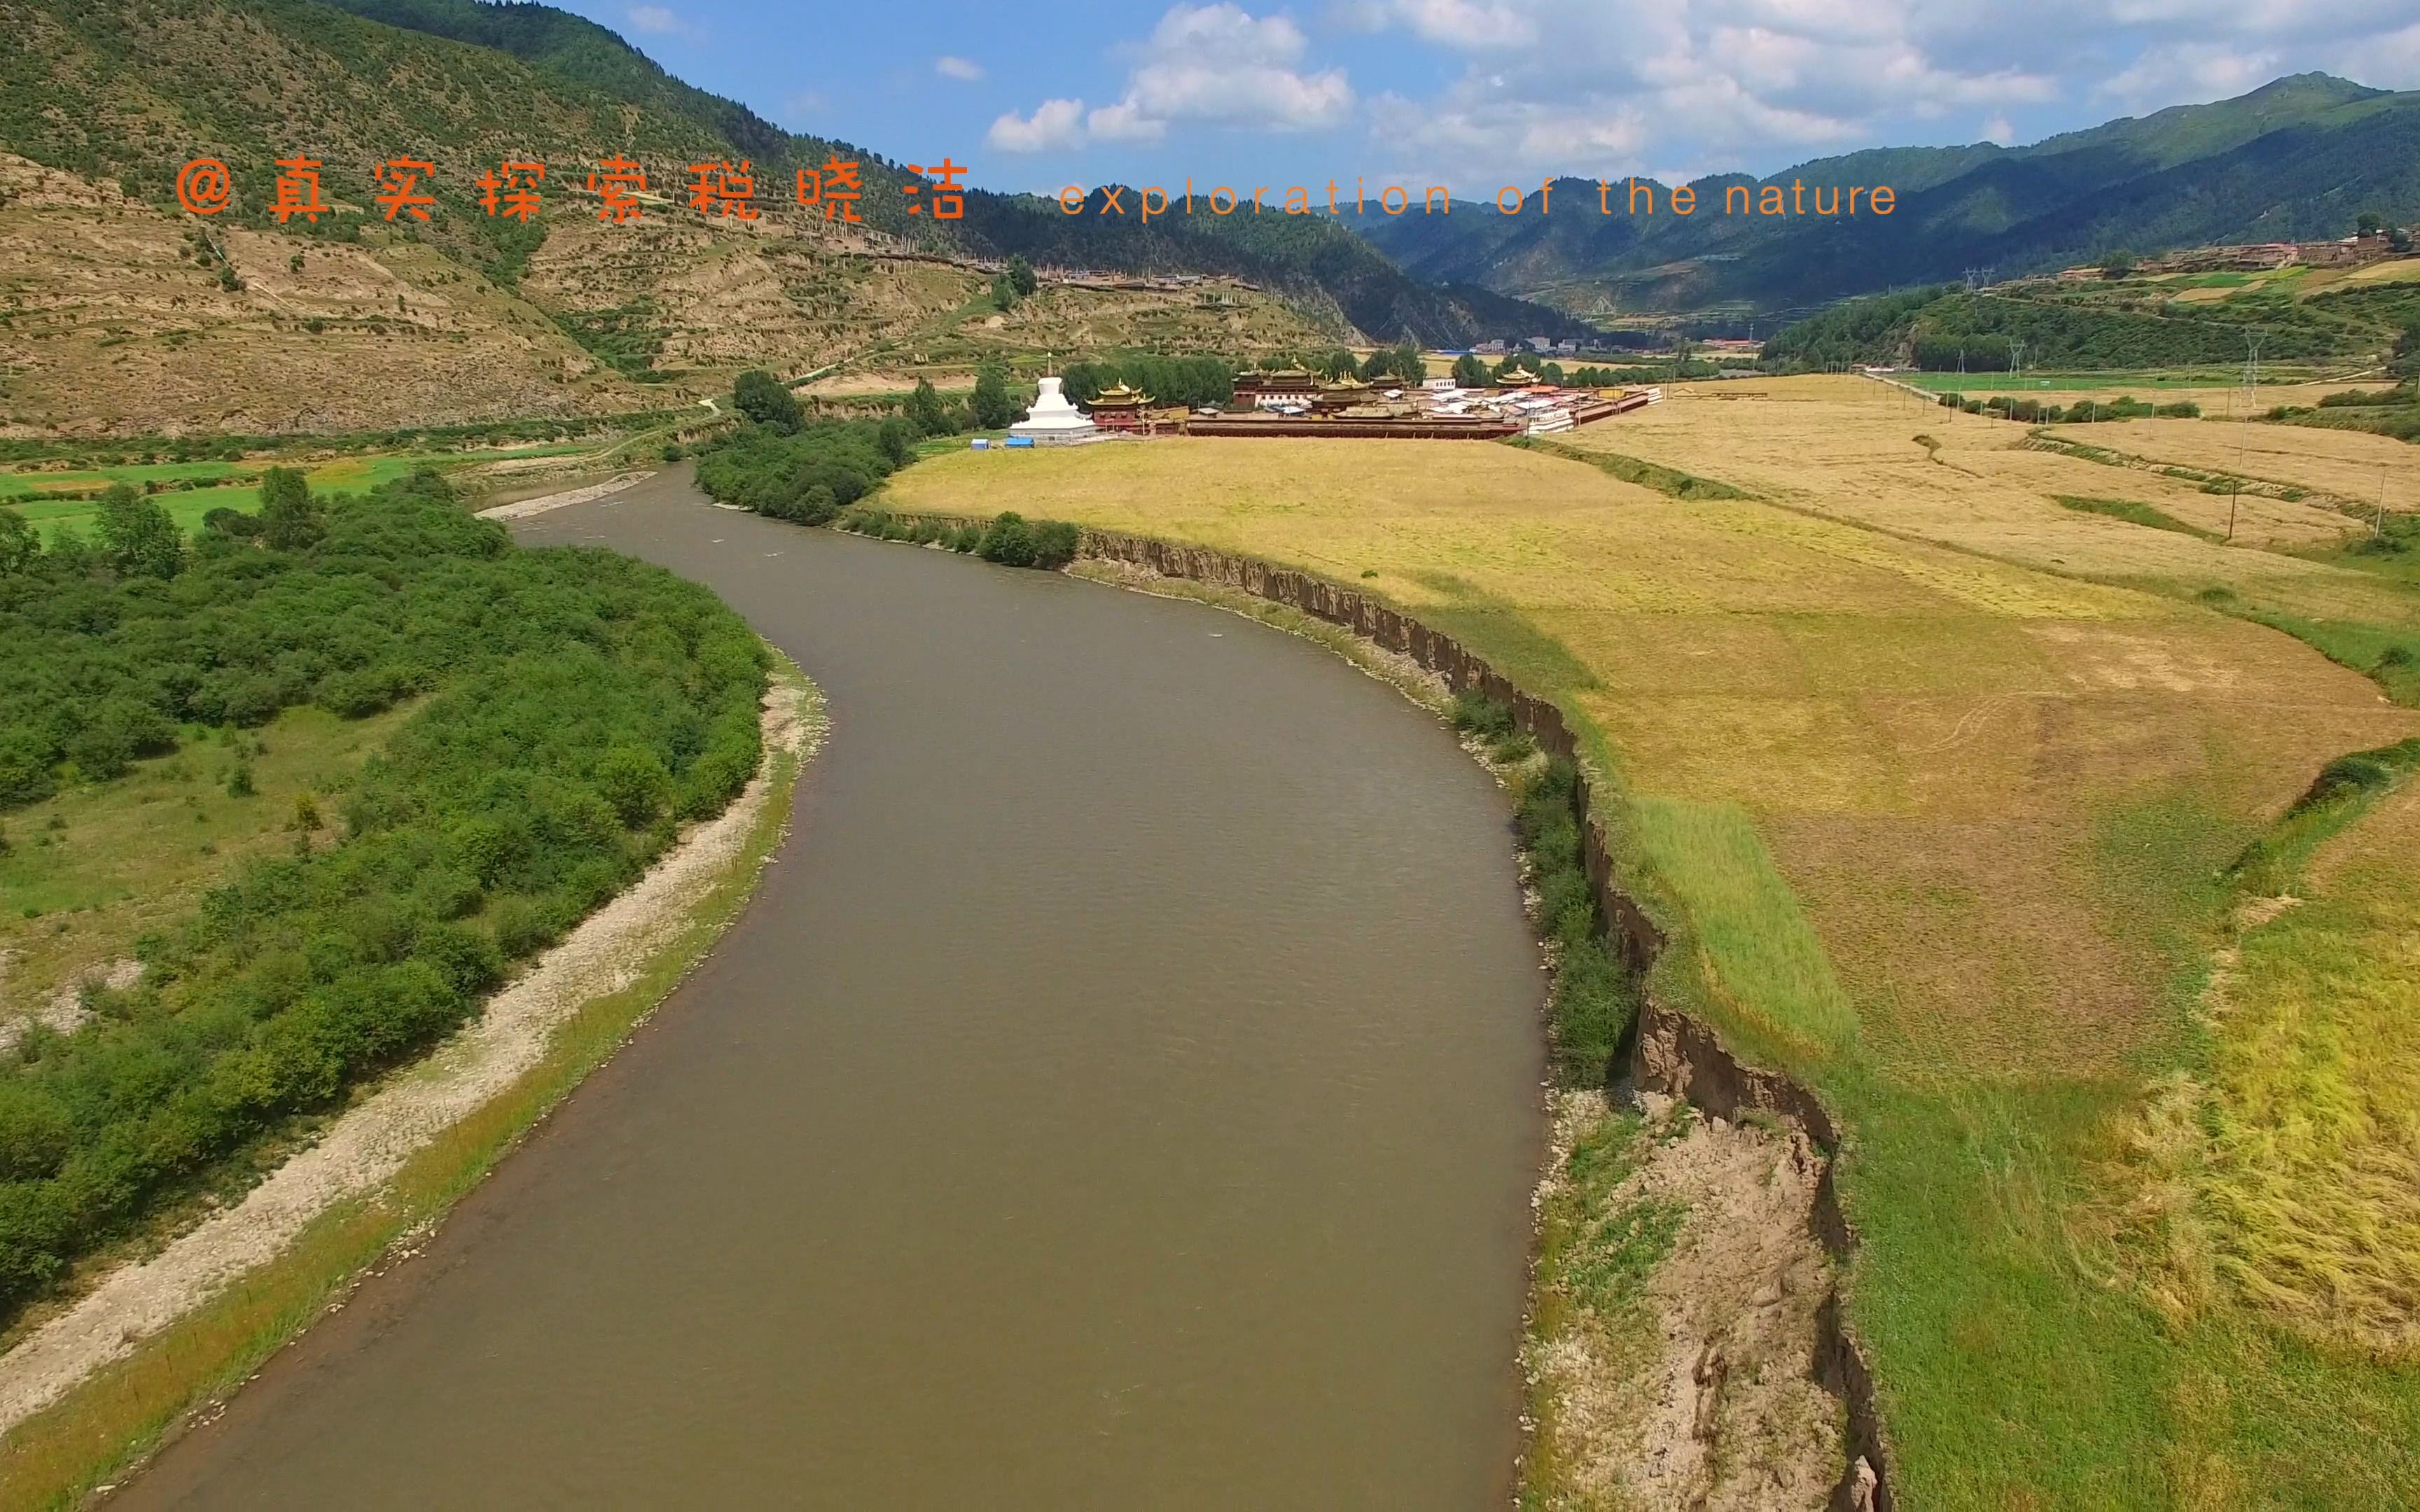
[1945, 328]
[583, 705]
[768, 404]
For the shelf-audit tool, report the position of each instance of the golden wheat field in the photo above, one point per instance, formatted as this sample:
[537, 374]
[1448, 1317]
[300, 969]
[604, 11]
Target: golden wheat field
[1848, 447]
[2349, 464]
[2218, 401]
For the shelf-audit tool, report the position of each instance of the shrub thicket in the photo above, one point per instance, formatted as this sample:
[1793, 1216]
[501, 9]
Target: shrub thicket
[809, 474]
[583, 705]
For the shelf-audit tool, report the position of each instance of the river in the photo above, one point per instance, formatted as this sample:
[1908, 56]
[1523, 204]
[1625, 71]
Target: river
[1123, 1091]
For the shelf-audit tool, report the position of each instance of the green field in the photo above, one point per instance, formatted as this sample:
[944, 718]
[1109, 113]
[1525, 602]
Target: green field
[26, 491]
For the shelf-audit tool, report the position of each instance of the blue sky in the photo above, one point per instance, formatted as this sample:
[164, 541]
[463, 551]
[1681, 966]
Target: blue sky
[1479, 93]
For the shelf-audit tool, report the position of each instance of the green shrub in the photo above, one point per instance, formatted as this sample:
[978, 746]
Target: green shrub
[1476, 713]
[1014, 541]
[808, 476]
[633, 783]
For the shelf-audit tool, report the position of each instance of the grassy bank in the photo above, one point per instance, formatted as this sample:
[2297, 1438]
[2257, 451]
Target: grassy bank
[121, 1414]
[1933, 829]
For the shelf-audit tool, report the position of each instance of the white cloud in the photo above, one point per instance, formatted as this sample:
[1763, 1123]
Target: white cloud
[1612, 88]
[1055, 123]
[1473, 25]
[656, 20]
[2390, 62]
[1214, 63]
[2171, 72]
[957, 67]
[1123, 122]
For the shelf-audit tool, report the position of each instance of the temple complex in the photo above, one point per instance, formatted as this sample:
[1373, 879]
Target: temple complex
[1119, 408]
[1274, 387]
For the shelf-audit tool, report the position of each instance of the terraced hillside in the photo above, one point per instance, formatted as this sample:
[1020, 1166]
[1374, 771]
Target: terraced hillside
[121, 313]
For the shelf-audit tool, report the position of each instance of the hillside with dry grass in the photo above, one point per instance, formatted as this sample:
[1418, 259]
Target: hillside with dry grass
[122, 314]
[116, 319]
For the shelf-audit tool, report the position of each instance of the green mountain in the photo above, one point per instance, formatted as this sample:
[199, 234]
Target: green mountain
[133, 88]
[2298, 159]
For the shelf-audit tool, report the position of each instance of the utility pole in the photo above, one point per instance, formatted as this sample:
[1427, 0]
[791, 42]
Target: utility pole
[2252, 340]
[2378, 525]
[2234, 487]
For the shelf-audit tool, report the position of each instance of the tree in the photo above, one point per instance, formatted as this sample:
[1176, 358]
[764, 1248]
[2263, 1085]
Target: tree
[2369, 223]
[994, 407]
[2398, 240]
[1469, 371]
[1003, 291]
[2118, 264]
[634, 783]
[19, 544]
[291, 519]
[925, 410]
[2407, 353]
[765, 399]
[138, 535]
[1020, 275]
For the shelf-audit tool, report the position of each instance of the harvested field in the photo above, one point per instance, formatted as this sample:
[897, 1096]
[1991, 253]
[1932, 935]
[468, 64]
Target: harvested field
[2219, 399]
[2349, 464]
[1845, 447]
[1931, 828]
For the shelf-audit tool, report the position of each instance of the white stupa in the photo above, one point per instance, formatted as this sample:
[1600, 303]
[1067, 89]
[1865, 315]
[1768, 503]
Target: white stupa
[1053, 421]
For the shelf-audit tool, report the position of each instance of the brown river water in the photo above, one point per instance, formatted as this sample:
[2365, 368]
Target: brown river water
[1123, 1092]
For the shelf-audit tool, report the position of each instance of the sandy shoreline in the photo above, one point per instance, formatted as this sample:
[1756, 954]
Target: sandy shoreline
[523, 508]
[372, 1141]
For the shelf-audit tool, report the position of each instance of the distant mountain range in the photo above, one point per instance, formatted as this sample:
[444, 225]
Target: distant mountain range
[2299, 158]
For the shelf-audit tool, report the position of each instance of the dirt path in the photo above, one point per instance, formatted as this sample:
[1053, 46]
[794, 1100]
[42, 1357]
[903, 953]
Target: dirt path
[369, 1144]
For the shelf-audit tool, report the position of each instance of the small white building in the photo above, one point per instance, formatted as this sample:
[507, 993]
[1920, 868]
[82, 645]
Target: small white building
[1053, 421]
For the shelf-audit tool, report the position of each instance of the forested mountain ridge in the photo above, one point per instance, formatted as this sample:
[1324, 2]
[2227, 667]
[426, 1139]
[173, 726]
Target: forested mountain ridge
[2299, 158]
